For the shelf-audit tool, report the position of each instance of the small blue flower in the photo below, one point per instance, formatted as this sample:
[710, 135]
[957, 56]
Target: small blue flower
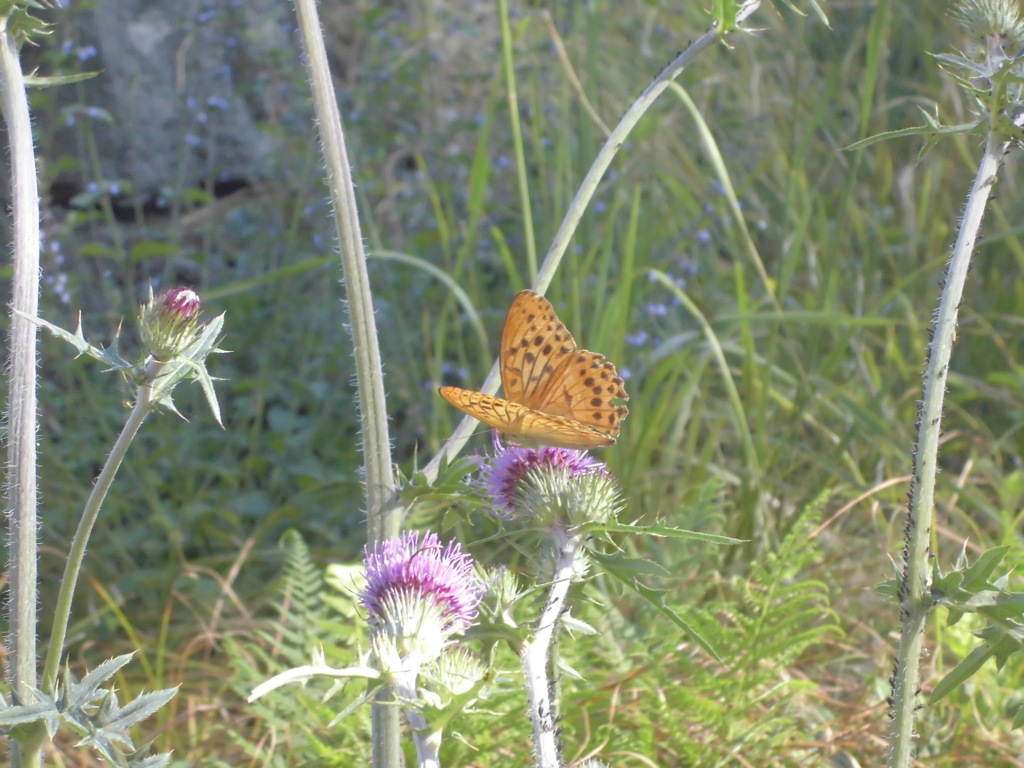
[87, 52]
[637, 339]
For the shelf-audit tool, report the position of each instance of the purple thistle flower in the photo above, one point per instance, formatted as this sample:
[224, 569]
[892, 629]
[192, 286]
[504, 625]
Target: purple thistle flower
[405, 568]
[503, 473]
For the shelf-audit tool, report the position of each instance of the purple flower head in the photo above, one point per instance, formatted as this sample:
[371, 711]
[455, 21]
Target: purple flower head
[407, 569]
[504, 472]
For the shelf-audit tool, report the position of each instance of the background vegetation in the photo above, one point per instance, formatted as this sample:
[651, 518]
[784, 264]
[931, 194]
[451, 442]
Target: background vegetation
[810, 464]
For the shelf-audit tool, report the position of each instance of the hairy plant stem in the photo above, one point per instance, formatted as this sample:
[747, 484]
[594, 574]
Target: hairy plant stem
[537, 660]
[76, 554]
[426, 740]
[454, 445]
[21, 488]
[384, 515]
[915, 592]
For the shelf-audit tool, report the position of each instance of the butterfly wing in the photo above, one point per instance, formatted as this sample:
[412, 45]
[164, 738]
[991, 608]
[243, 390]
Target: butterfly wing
[492, 411]
[523, 424]
[555, 393]
[586, 388]
[534, 342]
[542, 368]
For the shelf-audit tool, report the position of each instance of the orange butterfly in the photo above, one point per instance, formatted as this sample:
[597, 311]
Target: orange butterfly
[557, 394]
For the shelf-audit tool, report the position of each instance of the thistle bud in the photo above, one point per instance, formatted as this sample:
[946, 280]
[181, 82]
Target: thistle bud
[169, 322]
[452, 674]
[184, 302]
[990, 19]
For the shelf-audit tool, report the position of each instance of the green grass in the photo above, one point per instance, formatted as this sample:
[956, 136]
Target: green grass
[777, 407]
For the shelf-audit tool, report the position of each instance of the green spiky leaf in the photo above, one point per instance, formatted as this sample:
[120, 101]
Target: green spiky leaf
[109, 355]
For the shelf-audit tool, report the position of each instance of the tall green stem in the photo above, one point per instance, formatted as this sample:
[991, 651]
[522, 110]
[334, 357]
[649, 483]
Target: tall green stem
[384, 515]
[915, 592]
[76, 555]
[522, 172]
[21, 399]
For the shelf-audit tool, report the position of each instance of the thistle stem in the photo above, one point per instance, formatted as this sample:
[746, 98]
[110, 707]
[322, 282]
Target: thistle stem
[915, 592]
[426, 741]
[536, 658]
[383, 512]
[22, 495]
[76, 555]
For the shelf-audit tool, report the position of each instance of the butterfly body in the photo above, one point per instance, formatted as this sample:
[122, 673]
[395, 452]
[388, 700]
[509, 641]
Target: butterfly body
[555, 393]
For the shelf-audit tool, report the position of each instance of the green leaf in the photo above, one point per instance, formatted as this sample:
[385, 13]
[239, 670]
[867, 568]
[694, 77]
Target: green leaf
[87, 690]
[978, 576]
[191, 363]
[42, 81]
[662, 530]
[654, 597]
[624, 567]
[24, 26]
[153, 761]
[933, 130]
[889, 589]
[967, 668]
[137, 710]
[111, 356]
[45, 709]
